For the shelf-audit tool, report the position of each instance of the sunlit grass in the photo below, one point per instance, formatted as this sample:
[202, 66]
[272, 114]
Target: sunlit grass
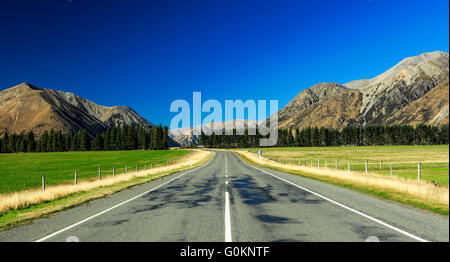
[404, 159]
[23, 171]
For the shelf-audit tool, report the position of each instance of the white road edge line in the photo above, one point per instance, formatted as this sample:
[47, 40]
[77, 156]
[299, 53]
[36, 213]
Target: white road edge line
[343, 206]
[120, 204]
[227, 218]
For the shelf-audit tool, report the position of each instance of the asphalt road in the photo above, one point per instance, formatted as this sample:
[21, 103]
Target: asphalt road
[228, 200]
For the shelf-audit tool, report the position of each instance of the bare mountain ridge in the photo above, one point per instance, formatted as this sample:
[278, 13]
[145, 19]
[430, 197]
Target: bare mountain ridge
[186, 136]
[385, 99]
[29, 108]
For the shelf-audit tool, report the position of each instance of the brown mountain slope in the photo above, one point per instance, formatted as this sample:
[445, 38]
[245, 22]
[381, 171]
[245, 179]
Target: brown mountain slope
[308, 97]
[26, 108]
[431, 109]
[337, 111]
[393, 97]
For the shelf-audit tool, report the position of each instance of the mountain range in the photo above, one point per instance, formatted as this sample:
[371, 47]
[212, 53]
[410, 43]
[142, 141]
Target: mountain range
[414, 91]
[186, 136]
[26, 108]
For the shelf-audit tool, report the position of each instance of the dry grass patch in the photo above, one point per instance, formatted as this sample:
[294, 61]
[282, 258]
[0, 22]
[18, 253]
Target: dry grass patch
[23, 199]
[420, 193]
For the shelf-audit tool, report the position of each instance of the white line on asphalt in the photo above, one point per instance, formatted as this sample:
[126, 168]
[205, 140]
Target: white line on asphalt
[344, 206]
[227, 218]
[118, 205]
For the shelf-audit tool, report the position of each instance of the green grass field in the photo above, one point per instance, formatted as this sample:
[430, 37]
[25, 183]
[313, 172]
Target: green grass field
[23, 171]
[434, 159]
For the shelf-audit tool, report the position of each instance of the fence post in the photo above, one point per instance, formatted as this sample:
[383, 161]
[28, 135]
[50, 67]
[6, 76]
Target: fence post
[43, 182]
[151, 166]
[318, 162]
[390, 167]
[76, 177]
[348, 166]
[311, 164]
[326, 163]
[336, 165]
[418, 169]
[366, 166]
[381, 164]
[114, 171]
[99, 173]
[126, 168]
[136, 168]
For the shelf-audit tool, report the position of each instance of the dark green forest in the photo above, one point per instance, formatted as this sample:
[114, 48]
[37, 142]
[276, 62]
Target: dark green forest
[353, 135]
[118, 138]
[137, 137]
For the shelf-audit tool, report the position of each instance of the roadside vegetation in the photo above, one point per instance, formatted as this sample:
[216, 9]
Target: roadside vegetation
[23, 171]
[422, 194]
[404, 159]
[19, 207]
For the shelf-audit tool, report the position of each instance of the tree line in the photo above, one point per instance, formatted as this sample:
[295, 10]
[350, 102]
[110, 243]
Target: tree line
[353, 135]
[118, 138]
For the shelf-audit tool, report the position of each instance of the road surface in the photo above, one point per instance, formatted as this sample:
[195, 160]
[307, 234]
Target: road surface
[228, 200]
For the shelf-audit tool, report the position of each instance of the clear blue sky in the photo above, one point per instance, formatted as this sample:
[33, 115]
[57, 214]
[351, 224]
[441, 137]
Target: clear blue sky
[145, 54]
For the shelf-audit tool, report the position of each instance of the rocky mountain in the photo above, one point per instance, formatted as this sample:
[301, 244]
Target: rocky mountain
[26, 107]
[186, 136]
[413, 91]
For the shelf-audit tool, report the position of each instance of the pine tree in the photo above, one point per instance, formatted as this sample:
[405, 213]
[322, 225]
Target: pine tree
[106, 143]
[290, 141]
[166, 138]
[5, 142]
[112, 139]
[85, 144]
[30, 142]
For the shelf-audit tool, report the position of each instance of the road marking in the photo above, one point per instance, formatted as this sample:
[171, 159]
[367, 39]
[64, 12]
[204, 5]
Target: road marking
[227, 218]
[343, 206]
[118, 205]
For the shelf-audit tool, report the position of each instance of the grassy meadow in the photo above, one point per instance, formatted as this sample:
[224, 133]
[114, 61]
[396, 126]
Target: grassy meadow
[434, 159]
[21, 171]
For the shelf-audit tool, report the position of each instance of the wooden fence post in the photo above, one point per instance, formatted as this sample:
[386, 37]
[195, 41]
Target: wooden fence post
[390, 167]
[336, 165]
[419, 170]
[76, 177]
[43, 182]
[318, 162]
[326, 163]
[114, 171]
[126, 168]
[99, 173]
[366, 166]
[136, 168]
